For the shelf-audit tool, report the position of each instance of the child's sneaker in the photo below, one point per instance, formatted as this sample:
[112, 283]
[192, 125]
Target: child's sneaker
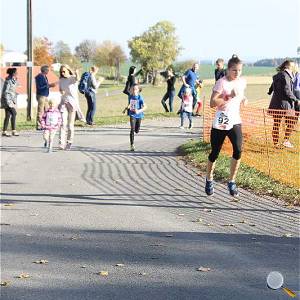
[209, 187]
[132, 148]
[68, 146]
[45, 144]
[232, 188]
[181, 127]
[191, 126]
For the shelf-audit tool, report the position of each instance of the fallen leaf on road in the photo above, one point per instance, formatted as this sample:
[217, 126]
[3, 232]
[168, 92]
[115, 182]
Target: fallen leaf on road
[23, 275]
[199, 220]
[73, 238]
[9, 204]
[34, 215]
[42, 261]
[207, 210]
[208, 224]
[142, 274]
[5, 283]
[27, 234]
[83, 267]
[235, 200]
[103, 273]
[180, 215]
[169, 235]
[4, 224]
[252, 225]
[229, 225]
[243, 221]
[179, 190]
[203, 269]
[287, 235]
[120, 265]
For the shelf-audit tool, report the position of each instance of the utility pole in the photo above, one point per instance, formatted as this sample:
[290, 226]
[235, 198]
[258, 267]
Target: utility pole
[29, 59]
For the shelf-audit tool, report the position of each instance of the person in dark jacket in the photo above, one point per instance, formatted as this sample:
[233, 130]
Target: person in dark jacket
[9, 101]
[131, 80]
[283, 102]
[219, 71]
[42, 92]
[170, 94]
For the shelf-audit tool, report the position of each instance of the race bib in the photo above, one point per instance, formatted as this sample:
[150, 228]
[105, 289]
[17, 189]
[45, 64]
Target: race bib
[53, 120]
[222, 121]
[133, 105]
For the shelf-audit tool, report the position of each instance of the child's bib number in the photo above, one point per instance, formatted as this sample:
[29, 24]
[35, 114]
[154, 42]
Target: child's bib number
[222, 121]
[133, 105]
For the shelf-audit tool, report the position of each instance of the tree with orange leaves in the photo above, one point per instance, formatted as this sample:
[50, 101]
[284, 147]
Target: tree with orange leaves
[42, 51]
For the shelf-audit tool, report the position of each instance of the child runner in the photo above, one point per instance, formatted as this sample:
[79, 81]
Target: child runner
[186, 108]
[136, 107]
[227, 96]
[51, 121]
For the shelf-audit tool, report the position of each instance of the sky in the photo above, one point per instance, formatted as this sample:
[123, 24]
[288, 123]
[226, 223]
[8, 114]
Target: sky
[207, 29]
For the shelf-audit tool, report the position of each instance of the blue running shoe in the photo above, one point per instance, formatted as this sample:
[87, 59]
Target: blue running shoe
[232, 189]
[209, 187]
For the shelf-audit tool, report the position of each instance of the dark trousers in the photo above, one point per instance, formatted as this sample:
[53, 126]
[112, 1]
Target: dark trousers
[217, 138]
[169, 95]
[10, 113]
[91, 104]
[135, 125]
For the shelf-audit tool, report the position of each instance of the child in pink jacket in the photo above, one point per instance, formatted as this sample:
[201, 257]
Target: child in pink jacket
[51, 121]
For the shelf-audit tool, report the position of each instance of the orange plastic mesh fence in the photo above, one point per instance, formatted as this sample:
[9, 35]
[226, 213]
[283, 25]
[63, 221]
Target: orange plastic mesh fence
[271, 141]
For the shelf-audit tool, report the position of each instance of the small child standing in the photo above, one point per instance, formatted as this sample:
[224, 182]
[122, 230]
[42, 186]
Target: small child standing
[51, 121]
[135, 109]
[187, 108]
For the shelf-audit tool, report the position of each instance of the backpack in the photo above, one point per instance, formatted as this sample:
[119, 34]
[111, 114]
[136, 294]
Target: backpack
[83, 83]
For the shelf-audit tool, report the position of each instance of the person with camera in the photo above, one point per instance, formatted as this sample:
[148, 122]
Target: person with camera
[170, 94]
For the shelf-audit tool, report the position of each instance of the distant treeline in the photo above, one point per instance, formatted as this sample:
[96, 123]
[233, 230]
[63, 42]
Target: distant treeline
[273, 62]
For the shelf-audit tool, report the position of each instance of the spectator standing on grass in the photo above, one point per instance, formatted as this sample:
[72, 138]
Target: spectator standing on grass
[135, 109]
[190, 79]
[283, 102]
[69, 105]
[90, 95]
[170, 94]
[227, 97]
[131, 80]
[220, 70]
[9, 101]
[42, 93]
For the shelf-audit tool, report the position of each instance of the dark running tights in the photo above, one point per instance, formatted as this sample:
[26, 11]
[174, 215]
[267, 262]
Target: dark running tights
[135, 125]
[217, 138]
[10, 113]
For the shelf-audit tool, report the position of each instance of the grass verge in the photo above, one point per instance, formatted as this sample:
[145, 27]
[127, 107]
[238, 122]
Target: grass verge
[248, 177]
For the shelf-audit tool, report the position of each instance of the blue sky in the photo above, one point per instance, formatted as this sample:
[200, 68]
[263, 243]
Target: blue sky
[206, 29]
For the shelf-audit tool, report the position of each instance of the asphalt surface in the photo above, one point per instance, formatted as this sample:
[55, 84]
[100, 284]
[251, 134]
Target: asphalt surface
[142, 217]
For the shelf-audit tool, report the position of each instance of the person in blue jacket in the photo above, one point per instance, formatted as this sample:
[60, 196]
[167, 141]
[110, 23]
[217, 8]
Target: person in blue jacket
[135, 109]
[42, 92]
[190, 79]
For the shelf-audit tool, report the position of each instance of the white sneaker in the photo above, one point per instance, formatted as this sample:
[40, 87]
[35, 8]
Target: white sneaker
[181, 127]
[287, 144]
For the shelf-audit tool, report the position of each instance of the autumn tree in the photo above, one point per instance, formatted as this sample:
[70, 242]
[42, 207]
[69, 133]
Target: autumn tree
[110, 54]
[85, 51]
[156, 48]
[62, 53]
[42, 51]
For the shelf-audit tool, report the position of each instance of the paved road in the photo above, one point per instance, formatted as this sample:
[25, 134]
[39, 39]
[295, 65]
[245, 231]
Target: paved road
[100, 205]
